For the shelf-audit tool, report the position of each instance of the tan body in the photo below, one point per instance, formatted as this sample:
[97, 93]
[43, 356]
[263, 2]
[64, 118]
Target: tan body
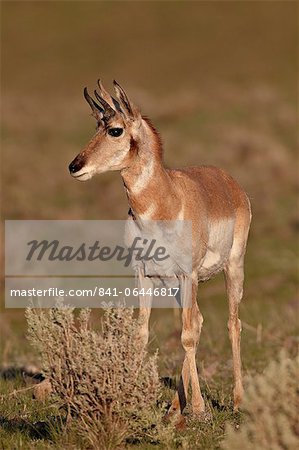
[208, 197]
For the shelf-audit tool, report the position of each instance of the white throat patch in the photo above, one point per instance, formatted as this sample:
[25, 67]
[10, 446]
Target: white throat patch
[143, 178]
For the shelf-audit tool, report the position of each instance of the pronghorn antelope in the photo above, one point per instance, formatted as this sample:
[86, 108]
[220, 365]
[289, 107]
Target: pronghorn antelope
[207, 196]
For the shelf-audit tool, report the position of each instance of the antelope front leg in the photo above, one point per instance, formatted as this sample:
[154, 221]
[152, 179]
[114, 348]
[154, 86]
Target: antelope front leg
[180, 399]
[192, 322]
[145, 306]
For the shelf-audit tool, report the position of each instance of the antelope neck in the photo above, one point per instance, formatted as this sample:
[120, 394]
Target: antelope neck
[146, 178]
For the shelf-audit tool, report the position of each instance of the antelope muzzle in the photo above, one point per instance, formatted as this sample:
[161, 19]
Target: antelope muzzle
[77, 170]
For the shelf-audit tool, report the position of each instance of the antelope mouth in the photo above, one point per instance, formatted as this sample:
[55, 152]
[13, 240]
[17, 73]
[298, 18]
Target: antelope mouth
[79, 176]
[82, 176]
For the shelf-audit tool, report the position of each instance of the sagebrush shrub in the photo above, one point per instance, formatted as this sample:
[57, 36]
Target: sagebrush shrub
[104, 380]
[271, 405]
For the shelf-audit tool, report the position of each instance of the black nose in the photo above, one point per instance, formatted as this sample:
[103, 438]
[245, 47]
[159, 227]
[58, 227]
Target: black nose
[75, 165]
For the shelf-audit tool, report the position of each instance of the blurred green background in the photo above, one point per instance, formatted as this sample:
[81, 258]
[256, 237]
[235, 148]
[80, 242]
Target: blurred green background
[219, 80]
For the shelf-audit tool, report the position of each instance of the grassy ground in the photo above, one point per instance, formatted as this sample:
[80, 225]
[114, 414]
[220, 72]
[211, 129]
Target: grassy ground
[219, 81]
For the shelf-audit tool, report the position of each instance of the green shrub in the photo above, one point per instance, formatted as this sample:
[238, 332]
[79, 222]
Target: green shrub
[271, 410]
[105, 381]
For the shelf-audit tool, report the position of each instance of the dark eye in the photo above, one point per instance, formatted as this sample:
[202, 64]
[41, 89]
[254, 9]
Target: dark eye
[115, 132]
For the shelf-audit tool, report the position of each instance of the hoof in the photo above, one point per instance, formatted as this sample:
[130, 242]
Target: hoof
[180, 423]
[172, 415]
[176, 419]
[238, 395]
[199, 409]
[237, 403]
[237, 407]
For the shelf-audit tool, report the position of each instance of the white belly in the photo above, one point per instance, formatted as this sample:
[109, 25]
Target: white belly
[220, 241]
[178, 245]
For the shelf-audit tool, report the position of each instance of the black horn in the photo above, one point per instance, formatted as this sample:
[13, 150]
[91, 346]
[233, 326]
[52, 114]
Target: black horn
[97, 111]
[125, 103]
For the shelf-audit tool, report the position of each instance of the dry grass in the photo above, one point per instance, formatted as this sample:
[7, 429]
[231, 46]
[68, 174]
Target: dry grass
[271, 406]
[104, 381]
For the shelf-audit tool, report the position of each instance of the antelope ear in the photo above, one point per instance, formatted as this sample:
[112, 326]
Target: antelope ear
[128, 108]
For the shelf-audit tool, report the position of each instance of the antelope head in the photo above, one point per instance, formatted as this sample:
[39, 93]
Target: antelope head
[113, 145]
